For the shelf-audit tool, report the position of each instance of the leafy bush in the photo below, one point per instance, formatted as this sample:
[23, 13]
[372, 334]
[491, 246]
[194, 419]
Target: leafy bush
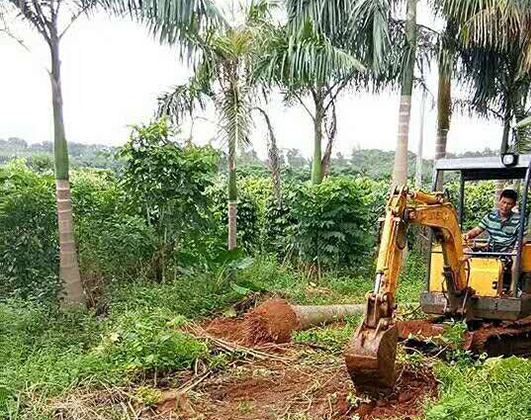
[330, 223]
[113, 242]
[147, 340]
[120, 247]
[167, 184]
[28, 234]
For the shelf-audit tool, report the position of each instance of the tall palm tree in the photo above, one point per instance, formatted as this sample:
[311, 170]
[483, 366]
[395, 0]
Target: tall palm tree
[304, 64]
[357, 28]
[225, 76]
[372, 32]
[406, 90]
[239, 59]
[46, 17]
[448, 51]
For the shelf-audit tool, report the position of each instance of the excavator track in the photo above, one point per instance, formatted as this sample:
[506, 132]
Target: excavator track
[506, 338]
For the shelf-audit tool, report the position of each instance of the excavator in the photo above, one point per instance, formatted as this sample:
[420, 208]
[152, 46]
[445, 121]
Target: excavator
[489, 290]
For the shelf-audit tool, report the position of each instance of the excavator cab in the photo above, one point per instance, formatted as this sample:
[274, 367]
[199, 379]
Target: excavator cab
[471, 285]
[501, 280]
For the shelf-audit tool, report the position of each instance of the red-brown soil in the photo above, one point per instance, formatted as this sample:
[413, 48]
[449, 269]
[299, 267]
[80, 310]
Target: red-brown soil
[271, 322]
[273, 390]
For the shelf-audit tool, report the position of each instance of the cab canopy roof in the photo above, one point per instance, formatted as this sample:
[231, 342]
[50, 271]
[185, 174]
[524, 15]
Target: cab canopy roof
[479, 168]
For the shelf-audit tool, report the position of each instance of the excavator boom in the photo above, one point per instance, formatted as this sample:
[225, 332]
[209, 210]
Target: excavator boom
[370, 357]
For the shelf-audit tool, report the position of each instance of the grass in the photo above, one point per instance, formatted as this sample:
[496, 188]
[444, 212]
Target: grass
[496, 389]
[333, 287]
[45, 353]
[328, 338]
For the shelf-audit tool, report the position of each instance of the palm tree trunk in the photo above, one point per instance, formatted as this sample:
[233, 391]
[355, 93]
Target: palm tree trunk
[326, 162]
[69, 268]
[444, 113]
[404, 113]
[500, 183]
[233, 197]
[420, 147]
[317, 167]
[273, 157]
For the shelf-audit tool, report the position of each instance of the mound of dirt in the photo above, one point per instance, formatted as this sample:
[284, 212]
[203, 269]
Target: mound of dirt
[271, 322]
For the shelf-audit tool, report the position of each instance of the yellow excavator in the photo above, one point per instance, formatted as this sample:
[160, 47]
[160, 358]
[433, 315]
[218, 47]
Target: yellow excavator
[484, 288]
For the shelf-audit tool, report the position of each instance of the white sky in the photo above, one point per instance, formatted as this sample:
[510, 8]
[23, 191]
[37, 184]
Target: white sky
[113, 71]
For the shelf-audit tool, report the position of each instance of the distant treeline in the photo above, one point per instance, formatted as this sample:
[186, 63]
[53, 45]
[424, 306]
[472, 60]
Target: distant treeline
[374, 163]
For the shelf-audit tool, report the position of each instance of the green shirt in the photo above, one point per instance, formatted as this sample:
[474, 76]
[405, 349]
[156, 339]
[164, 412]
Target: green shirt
[503, 233]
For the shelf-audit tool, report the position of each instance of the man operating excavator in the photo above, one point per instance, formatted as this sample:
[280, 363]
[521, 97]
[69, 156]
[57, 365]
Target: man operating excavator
[502, 225]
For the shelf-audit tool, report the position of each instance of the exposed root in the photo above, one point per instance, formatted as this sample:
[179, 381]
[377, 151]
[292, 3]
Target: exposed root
[273, 321]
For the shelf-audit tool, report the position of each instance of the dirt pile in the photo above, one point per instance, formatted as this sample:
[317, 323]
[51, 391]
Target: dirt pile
[271, 322]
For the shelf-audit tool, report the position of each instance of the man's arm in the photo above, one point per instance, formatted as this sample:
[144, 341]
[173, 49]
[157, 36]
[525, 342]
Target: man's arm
[471, 234]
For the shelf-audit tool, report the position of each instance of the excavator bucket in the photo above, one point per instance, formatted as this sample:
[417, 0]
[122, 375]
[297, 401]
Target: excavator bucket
[370, 357]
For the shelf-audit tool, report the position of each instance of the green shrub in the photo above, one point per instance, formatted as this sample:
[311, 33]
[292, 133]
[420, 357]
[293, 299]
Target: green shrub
[120, 247]
[113, 242]
[167, 184]
[330, 223]
[28, 234]
[276, 222]
[147, 340]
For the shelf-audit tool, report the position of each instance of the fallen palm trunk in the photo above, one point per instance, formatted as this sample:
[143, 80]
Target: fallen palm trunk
[275, 320]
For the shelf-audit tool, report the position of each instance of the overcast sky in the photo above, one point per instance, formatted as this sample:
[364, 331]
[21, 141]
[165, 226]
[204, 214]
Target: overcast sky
[113, 72]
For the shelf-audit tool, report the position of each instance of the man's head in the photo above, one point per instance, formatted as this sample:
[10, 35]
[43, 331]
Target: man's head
[507, 202]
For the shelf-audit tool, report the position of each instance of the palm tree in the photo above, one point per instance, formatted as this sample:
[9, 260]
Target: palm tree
[239, 59]
[304, 64]
[45, 16]
[225, 76]
[369, 31]
[448, 52]
[357, 29]
[406, 90]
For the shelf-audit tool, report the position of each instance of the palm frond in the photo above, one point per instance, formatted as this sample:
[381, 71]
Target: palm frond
[304, 58]
[235, 115]
[182, 22]
[502, 25]
[181, 101]
[361, 27]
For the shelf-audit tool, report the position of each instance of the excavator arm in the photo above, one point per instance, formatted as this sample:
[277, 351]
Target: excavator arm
[371, 355]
